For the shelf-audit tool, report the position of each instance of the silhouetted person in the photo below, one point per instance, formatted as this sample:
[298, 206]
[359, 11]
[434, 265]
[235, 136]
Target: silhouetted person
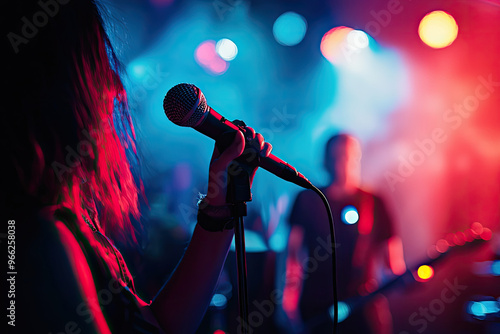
[70, 176]
[365, 245]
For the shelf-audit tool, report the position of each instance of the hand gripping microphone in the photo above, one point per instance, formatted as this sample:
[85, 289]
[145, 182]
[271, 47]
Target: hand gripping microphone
[185, 105]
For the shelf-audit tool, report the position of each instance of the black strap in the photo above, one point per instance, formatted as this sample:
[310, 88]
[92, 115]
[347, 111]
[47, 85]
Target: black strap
[214, 224]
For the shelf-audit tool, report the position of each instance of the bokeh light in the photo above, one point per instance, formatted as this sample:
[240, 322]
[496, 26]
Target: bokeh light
[469, 235]
[333, 42]
[486, 234]
[480, 309]
[342, 44]
[289, 28]
[477, 309]
[350, 215]
[438, 29]
[459, 238]
[226, 49]
[450, 238]
[218, 300]
[432, 252]
[442, 245]
[477, 228]
[344, 311]
[495, 268]
[357, 39]
[487, 268]
[425, 272]
[207, 57]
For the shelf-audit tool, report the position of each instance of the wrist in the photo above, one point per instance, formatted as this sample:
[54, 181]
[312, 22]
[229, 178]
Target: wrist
[215, 217]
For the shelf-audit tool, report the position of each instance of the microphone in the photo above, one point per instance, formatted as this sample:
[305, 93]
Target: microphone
[185, 105]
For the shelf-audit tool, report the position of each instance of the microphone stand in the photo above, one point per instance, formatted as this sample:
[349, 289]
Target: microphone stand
[238, 193]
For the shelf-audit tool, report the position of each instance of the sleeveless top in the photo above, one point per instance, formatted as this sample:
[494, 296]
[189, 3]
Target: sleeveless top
[113, 281]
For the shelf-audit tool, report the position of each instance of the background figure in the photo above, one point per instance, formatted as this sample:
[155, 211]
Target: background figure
[367, 250]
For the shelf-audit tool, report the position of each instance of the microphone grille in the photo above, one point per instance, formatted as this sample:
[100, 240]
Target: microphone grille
[185, 105]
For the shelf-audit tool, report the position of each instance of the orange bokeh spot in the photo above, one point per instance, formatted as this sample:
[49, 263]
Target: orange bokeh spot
[333, 42]
[438, 29]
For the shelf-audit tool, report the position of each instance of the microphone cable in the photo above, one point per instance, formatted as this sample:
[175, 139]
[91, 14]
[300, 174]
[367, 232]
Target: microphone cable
[334, 258]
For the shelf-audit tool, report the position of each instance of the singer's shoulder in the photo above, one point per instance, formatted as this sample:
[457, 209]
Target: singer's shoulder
[47, 241]
[47, 281]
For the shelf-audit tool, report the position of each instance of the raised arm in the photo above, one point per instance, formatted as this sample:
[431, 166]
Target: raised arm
[183, 300]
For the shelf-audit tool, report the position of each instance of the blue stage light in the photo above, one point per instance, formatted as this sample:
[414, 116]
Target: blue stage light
[476, 309]
[349, 215]
[218, 300]
[289, 28]
[344, 311]
[495, 268]
[481, 309]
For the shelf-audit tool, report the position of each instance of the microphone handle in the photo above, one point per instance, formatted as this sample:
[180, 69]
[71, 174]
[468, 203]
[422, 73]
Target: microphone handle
[216, 126]
[285, 171]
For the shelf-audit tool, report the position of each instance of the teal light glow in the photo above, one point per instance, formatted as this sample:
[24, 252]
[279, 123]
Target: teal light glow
[289, 28]
[349, 215]
[344, 311]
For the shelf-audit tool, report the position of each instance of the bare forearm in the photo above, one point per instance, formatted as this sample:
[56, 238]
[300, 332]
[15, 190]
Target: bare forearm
[183, 300]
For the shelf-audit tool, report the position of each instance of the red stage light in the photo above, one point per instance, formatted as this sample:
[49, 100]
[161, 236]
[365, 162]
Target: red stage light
[459, 238]
[486, 234]
[469, 235]
[450, 239]
[442, 245]
[432, 252]
[476, 228]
